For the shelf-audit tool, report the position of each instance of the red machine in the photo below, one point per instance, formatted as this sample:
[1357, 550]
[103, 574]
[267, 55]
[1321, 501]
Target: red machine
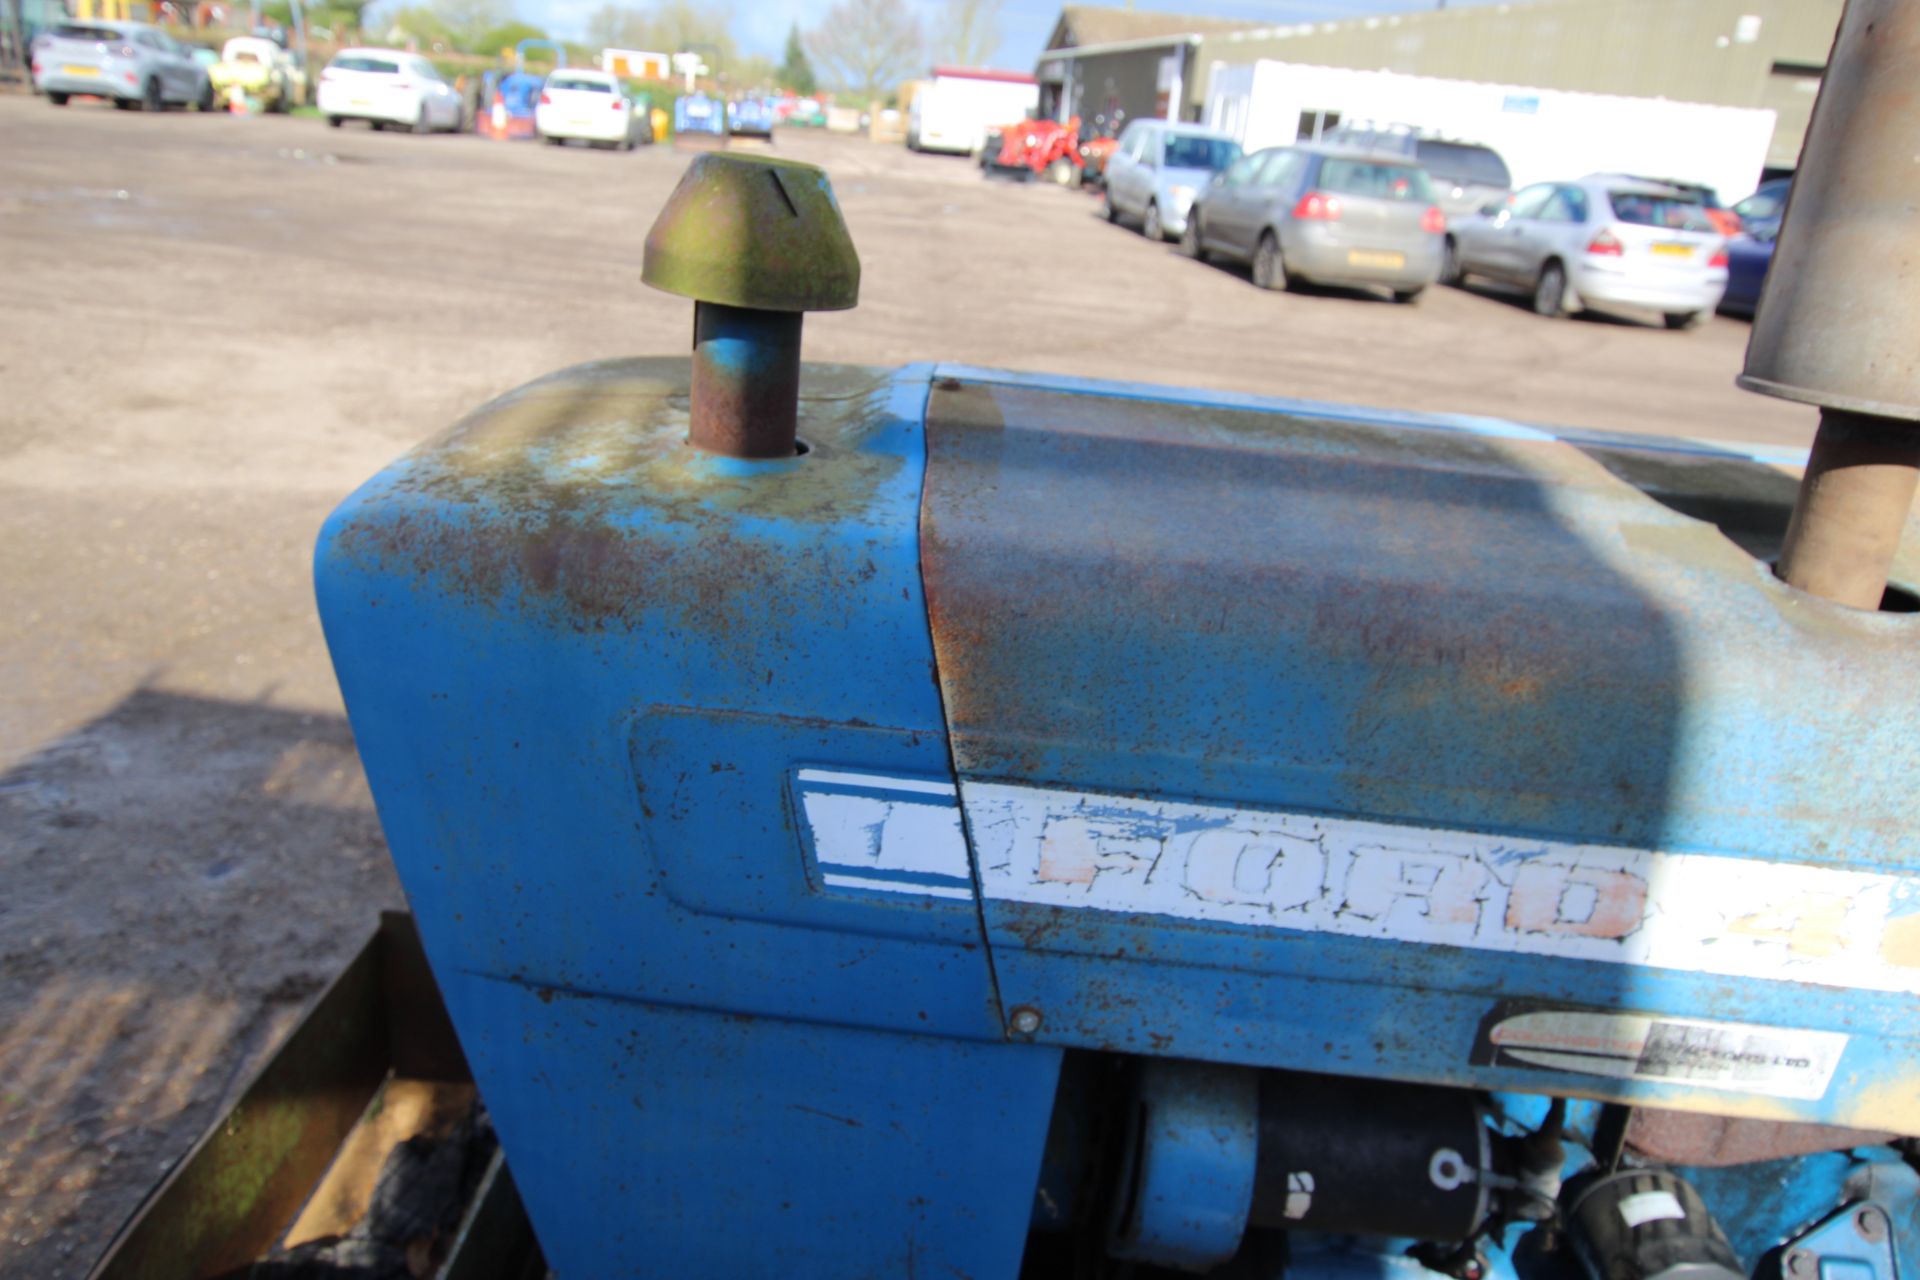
[1042, 147]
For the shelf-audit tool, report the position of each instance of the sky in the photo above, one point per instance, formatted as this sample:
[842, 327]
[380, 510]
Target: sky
[760, 26]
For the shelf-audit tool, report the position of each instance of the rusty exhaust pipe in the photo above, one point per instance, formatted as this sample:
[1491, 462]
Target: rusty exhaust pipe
[1839, 322]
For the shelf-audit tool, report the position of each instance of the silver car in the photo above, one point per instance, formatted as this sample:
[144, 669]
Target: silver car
[1157, 170]
[1604, 242]
[1325, 215]
[134, 64]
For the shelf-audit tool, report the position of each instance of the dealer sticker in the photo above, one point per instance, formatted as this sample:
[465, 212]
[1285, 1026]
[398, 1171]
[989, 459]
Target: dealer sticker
[1774, 1062]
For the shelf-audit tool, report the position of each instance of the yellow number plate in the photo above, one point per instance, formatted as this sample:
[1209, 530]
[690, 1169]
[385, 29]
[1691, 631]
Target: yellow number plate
[81, 71]
[1373, 258]
[1666, 250]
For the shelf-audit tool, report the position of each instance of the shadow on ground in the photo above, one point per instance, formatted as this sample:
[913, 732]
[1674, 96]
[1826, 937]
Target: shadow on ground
[181, 874]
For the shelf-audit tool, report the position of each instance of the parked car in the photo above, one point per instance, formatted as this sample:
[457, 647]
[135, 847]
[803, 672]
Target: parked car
[1724, 220]
[1465, 175]
[1763, 210]
[131, 64]
[590, 107]
[1750, 254]
[1604, 241]
[1327, 215]
[750, 118]
[1157, 170]
[1748, 258]
[262, 70]
[387, 87]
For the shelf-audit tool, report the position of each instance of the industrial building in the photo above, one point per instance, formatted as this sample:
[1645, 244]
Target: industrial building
[1767, 54]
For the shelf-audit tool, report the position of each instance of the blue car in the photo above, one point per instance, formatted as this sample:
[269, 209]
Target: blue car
[1750, 253]
[750, 117]
[696, 114]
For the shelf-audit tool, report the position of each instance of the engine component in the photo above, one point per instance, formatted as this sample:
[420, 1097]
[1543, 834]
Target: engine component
[1189, 1165]
[1647, 1224]
[1370, 1157]
[1854, 1244]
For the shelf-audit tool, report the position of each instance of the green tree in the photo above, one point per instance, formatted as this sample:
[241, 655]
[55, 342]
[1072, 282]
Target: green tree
[969, 33]
[796, 73]
[669, 26]
[867, 46]
[506, 36]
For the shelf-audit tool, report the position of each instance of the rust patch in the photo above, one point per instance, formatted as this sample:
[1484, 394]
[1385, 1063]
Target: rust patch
[579, 492]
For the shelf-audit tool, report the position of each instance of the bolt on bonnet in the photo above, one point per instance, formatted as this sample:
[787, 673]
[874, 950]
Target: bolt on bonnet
[755, 242]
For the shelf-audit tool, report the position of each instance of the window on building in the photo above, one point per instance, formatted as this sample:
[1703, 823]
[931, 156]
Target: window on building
[1315, 123]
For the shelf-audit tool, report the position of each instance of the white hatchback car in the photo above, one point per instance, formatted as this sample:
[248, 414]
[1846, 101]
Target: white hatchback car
[387, 87]
[1603, 241]
[590, 106]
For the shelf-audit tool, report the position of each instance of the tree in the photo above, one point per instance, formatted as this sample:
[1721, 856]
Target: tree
[461, 24]
[867, 46]
[796, 73]
[670, 26]
[507, 36]
[969, 32]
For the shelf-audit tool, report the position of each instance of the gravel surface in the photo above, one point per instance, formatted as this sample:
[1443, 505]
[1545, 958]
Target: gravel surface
[212, 328]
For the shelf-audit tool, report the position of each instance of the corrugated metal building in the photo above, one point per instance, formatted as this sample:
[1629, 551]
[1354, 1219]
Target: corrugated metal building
[1103, 64]
[1742, 53]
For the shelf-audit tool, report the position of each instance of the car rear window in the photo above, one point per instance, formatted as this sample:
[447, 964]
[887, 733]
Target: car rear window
[358, 62]
[1647, 209]
[1375, 179]
[1460, 164]
[588, 86]
[1200, 153]
[76, 31]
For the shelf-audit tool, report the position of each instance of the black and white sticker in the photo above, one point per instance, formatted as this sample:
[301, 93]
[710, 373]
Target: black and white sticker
[1774, 1062]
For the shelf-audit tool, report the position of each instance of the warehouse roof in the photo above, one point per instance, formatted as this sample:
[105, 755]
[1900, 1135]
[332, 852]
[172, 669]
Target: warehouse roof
[1085, 24]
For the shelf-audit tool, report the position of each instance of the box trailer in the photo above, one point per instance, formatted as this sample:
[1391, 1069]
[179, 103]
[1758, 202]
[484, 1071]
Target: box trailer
[957, 109]
[1542, 134]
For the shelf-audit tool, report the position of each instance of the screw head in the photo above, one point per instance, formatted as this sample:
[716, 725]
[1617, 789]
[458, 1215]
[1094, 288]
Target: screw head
[1870, 1223]
[1025, 1019]
[1802, 1265]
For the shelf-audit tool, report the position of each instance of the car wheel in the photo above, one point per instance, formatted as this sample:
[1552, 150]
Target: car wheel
[1061, 171]
[1407, 297]
[57, 99]
[1685, 319]
[1190, 238]
[1550, 292]
[150, 99]
[1450, 272]
[1107, 210]
[1150, 225]
[1269, 272]
[333, 122]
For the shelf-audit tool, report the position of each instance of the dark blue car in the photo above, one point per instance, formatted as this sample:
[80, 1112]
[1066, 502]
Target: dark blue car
[1751, 252]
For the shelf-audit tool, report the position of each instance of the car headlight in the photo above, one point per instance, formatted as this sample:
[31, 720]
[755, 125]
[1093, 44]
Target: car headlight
[1181, 195]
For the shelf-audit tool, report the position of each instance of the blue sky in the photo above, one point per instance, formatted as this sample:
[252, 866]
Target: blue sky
[761, 25]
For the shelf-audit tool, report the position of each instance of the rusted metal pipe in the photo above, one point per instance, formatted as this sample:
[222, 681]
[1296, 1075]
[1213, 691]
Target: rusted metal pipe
[746, 381]
[1839, 326]
[755, 242]
[1853, 505]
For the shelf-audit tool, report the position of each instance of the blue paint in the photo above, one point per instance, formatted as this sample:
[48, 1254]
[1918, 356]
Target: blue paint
[1190, 1163]
[584, 665]
[578, 695]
